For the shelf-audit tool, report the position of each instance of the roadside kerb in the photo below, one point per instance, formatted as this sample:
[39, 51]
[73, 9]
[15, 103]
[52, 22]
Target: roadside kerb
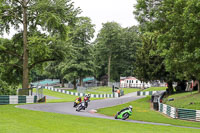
[51, 88]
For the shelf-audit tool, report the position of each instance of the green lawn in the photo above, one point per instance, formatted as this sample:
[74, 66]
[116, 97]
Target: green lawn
[129, 90]
[143, 112]
[16, 120]
[70, 98]
[188, 100]
[64, 97]
[155, 89]
[100, 90]
[106, 90]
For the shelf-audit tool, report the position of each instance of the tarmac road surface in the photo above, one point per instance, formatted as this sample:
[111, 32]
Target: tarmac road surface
[67, 108]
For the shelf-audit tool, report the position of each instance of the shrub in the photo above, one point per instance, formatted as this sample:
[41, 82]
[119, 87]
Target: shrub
[5, 89]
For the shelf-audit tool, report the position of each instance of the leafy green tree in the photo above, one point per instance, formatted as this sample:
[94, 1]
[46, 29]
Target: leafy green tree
[127, 51]
[182, 54]
[149, 64]
[108, 41]
[6, 89]
[10, 62]
[124, 45]
[50, 16]
[146, 12]
[43, 48]
[176, 22]
[79, 62]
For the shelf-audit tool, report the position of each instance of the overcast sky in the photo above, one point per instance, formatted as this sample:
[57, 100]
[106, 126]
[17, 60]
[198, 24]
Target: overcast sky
[102, 11]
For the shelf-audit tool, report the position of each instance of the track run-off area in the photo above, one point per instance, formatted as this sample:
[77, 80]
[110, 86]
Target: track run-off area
[67, 108]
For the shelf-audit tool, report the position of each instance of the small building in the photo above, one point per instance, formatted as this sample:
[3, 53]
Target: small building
[89, 82]
[104, 80]
[132, 82]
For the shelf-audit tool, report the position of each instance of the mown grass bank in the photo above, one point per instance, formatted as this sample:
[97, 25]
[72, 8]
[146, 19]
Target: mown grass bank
[155, 89]
[63, 97]
[16, 120]
[106, 90]
[143, 112]
[187, 100]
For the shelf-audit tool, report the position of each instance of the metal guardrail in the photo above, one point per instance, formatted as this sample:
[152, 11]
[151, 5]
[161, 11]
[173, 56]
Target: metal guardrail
[186, 114]
[167, 110]
[83, 94]
[180, 113]
[176, 113]
[17, 99]
[145, 93]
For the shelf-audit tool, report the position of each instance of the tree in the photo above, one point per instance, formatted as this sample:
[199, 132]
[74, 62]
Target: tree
[79, 62]
[179, 42]
[11, 60]
[125, 43]
[149, 65]
[127, 51]
[51, 16]
[109, 41]
[176, 22]
[146, 13]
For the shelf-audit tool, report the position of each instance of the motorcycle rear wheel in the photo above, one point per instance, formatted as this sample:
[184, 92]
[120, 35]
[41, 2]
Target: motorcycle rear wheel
[116, 116]
[79, 108]
[75, 104]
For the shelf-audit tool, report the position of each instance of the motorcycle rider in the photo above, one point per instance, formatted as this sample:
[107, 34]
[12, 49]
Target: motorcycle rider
[127, 108]
[79, 99]
[86, 100]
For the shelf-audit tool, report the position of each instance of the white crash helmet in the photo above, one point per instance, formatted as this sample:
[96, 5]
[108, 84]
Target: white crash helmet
[130, 107]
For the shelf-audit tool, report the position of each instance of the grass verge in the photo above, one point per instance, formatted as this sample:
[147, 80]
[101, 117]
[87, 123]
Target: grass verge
[16, 120]
[130, 90]
[187, 100]
[143, 112]
[106, 90]
[63, 97]
[155, 89]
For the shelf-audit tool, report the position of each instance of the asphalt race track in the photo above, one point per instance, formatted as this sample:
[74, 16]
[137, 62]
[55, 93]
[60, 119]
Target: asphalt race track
[67, 108]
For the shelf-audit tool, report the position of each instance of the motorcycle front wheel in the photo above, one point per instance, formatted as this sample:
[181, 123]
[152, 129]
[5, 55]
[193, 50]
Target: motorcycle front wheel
[79, 108]
[125, 116]
[75, 104]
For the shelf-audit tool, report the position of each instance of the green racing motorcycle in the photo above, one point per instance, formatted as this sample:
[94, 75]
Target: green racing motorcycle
[124, 114]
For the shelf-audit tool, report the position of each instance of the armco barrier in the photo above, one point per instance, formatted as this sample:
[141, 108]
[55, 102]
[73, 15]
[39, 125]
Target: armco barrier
[179, 113]
[83, 94]
[185, 114]
[197, 115]
[17, 99]
[145, 93]
[188, 114]
[167, 110]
